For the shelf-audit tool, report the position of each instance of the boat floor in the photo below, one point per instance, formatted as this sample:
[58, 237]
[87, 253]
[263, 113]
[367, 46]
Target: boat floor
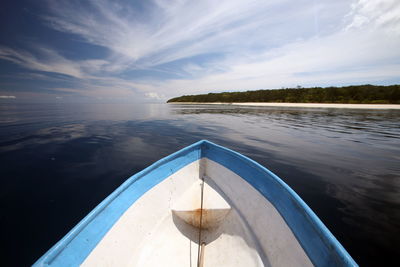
[251, 232]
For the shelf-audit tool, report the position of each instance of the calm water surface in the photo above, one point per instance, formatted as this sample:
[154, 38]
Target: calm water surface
[59, 161]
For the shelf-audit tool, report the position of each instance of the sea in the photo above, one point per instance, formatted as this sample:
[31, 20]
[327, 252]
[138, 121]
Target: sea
[58, 161]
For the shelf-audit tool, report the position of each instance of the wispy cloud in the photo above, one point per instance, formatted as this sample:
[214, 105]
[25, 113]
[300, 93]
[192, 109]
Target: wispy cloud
[210, 45]
[164, 32]
[375, 15]
[48, 60]
[7, 97]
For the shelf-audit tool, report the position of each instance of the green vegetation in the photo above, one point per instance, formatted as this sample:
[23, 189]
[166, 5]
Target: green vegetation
[358, 94]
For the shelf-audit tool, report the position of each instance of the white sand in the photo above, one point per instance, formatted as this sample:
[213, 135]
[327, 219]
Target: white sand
[302, 105]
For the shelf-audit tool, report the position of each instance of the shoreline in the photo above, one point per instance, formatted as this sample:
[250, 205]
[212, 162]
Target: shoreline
[300, 105]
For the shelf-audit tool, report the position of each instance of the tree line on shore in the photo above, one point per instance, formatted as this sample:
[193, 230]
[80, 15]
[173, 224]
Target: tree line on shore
[355, 94]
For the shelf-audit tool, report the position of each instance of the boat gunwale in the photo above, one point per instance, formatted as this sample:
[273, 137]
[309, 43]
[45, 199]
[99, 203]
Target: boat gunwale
[56, 249]
[318, 226]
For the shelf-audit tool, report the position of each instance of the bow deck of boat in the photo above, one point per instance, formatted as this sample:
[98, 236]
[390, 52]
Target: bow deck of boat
[205, 193]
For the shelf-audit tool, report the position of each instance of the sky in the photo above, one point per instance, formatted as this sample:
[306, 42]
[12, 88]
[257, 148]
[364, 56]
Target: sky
[150, 51]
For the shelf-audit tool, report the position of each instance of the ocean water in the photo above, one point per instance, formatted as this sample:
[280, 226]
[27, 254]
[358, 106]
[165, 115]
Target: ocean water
[59, 161]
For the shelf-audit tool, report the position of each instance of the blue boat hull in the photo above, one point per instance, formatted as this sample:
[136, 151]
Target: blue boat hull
[318, 244]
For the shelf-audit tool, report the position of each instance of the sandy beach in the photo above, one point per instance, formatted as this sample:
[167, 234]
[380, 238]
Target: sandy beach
[300, 105]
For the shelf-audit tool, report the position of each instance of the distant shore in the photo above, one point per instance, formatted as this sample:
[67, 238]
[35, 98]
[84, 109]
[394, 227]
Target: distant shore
[300, 105]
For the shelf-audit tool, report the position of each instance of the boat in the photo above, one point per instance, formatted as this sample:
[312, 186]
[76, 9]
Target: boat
[205, 205]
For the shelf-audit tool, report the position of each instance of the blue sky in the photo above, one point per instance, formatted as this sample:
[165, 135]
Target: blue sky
[141, 51]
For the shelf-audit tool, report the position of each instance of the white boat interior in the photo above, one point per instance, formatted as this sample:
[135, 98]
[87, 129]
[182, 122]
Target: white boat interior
[202, 203]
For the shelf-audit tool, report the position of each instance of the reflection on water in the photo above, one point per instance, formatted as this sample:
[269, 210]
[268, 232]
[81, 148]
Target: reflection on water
[60, 161]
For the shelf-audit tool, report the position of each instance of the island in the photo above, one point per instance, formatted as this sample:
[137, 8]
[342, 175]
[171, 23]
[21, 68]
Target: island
[355, 94]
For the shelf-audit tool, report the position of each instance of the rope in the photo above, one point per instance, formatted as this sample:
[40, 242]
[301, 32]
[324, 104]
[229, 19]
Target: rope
[200, 257]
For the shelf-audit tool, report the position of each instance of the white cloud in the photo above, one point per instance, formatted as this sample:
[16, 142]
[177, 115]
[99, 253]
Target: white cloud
[49, 61]
[165, 32]
[383, 15]
[153, 95]
[7, 97]
[259, 44]
[356, 53]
